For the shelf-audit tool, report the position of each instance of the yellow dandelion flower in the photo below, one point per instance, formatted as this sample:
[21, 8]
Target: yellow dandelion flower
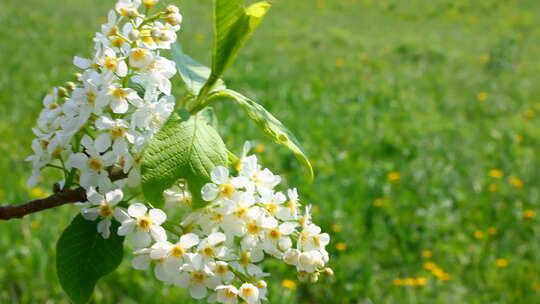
[492, 187]
[410, 281]
[421, 281]
[482, 96]
[397, 282]
[341, 246]
[492, 231]
[518, 138]
[289, 284]
[378, 202]
[429, 266]
[340, 62]
[38, 193]
[484, 58]
[529, 214]
[516, 182]
[445, 276]
[35, 224]
[530, 114]
[394, 177]
[535, 286]
[260, 148]
[321, 4]
[478, 234]
[336, 228]
[501, 262]
[438, 272]
[495, 173]
[427, 254]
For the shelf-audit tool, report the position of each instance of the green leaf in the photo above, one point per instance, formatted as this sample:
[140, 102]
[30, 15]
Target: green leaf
[186, 147]
[83, 256]
[270, 125]
[193, 73]
[233, 25]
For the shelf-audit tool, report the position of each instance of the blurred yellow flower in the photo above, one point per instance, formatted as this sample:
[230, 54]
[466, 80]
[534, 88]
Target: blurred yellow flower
[2, 193]
[397, 282]
[501, 262]
[494, 173]
[445, 276]
[35, 224]
[410, 282]
[427, 254]
[482, 96]
[438, 272]
[529, 214]
[260, 148]
[492, 187]
[530, 114]
[421, 281]
[394, 177]
[484, 58]
[516, 182]
[341, 246]
[321, 4]
[478, 234]
[378, 202]
[336, 228]
[518, 138]
[429, 266]
[363, 56]
[289, 284]
[492, 231]
[38, 193]
[340, 62]
[535, 286]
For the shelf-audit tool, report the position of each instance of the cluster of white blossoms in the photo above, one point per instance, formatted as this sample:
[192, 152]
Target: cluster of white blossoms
[218, 252]
[95, 130]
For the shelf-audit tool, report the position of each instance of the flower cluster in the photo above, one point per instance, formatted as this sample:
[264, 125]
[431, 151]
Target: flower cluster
[95, 130]
[218, 254]
[100, 122]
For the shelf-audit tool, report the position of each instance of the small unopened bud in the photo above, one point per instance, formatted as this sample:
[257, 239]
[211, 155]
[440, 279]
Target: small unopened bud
[131, 13]
[261, 284]
[150, 3]
[155, 33]
[70, 85]
[313, 277]
[303, 276]
[134, 35]
[62, 92]
[173, 9]
[166, 36]
[328, 271]
[77, 76]
[174, 19]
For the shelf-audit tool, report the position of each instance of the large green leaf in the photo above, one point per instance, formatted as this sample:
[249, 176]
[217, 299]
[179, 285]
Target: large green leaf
[187, 147]
[268, 123]
[83, 256]
[193, 73]
[233, 25]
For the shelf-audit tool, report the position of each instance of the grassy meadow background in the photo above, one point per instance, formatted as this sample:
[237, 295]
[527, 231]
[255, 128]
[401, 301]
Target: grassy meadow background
[421, 117]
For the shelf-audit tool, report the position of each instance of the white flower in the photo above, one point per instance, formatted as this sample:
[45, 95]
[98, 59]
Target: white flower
[140, 58]
[196, 276]
[93, 165]
[213, 246]
[102, 206]
[89, 98]
[249, 293]
[173, 255]
[227, 294]
[311, 238]
[256, 226]
[142, 262]
[222, 271]
[146, 225]
[222, 186]
[119, 98]
[264, 179]
[156, 75]
[278, 240]
[289, 211]
[110, 63]
[151, 115]
[118, 133]
[128, 8]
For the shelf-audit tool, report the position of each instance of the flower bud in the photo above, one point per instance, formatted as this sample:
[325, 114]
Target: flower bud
[155, 33]
[328, 271]
[291, 256]
[166, 36]
[173, 9]
[77, 76]
[174, 19]
[261, 284]
[134, 35]
[131, 13]
[62, 92]
[303, 276]
[305, 259]
[313, 277]
[70, 85]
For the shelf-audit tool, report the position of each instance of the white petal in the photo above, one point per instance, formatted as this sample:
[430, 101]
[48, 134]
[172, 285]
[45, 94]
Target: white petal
[287, 227]
[137, 210]
[197, 291]
[126, 227]
[220, 175]
[189, 240]
[157, 216]
[209, 192]
[216, 237]
[90, 214]
[78, 160]
[141, 239]
[103, 142]
[158, 233]
[119, 106]
[113, 197]
[103, 227]
[121, 69]
[141, 262]
[82, 63]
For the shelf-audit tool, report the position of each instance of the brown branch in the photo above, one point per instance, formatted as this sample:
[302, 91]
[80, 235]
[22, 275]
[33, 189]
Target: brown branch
[63, 197]
[8, 212]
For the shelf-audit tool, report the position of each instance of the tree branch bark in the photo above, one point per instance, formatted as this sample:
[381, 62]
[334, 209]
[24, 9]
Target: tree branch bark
[60, 198]
[8, 212]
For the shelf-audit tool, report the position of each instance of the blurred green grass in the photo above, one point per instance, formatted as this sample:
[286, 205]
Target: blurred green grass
[440, 92]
